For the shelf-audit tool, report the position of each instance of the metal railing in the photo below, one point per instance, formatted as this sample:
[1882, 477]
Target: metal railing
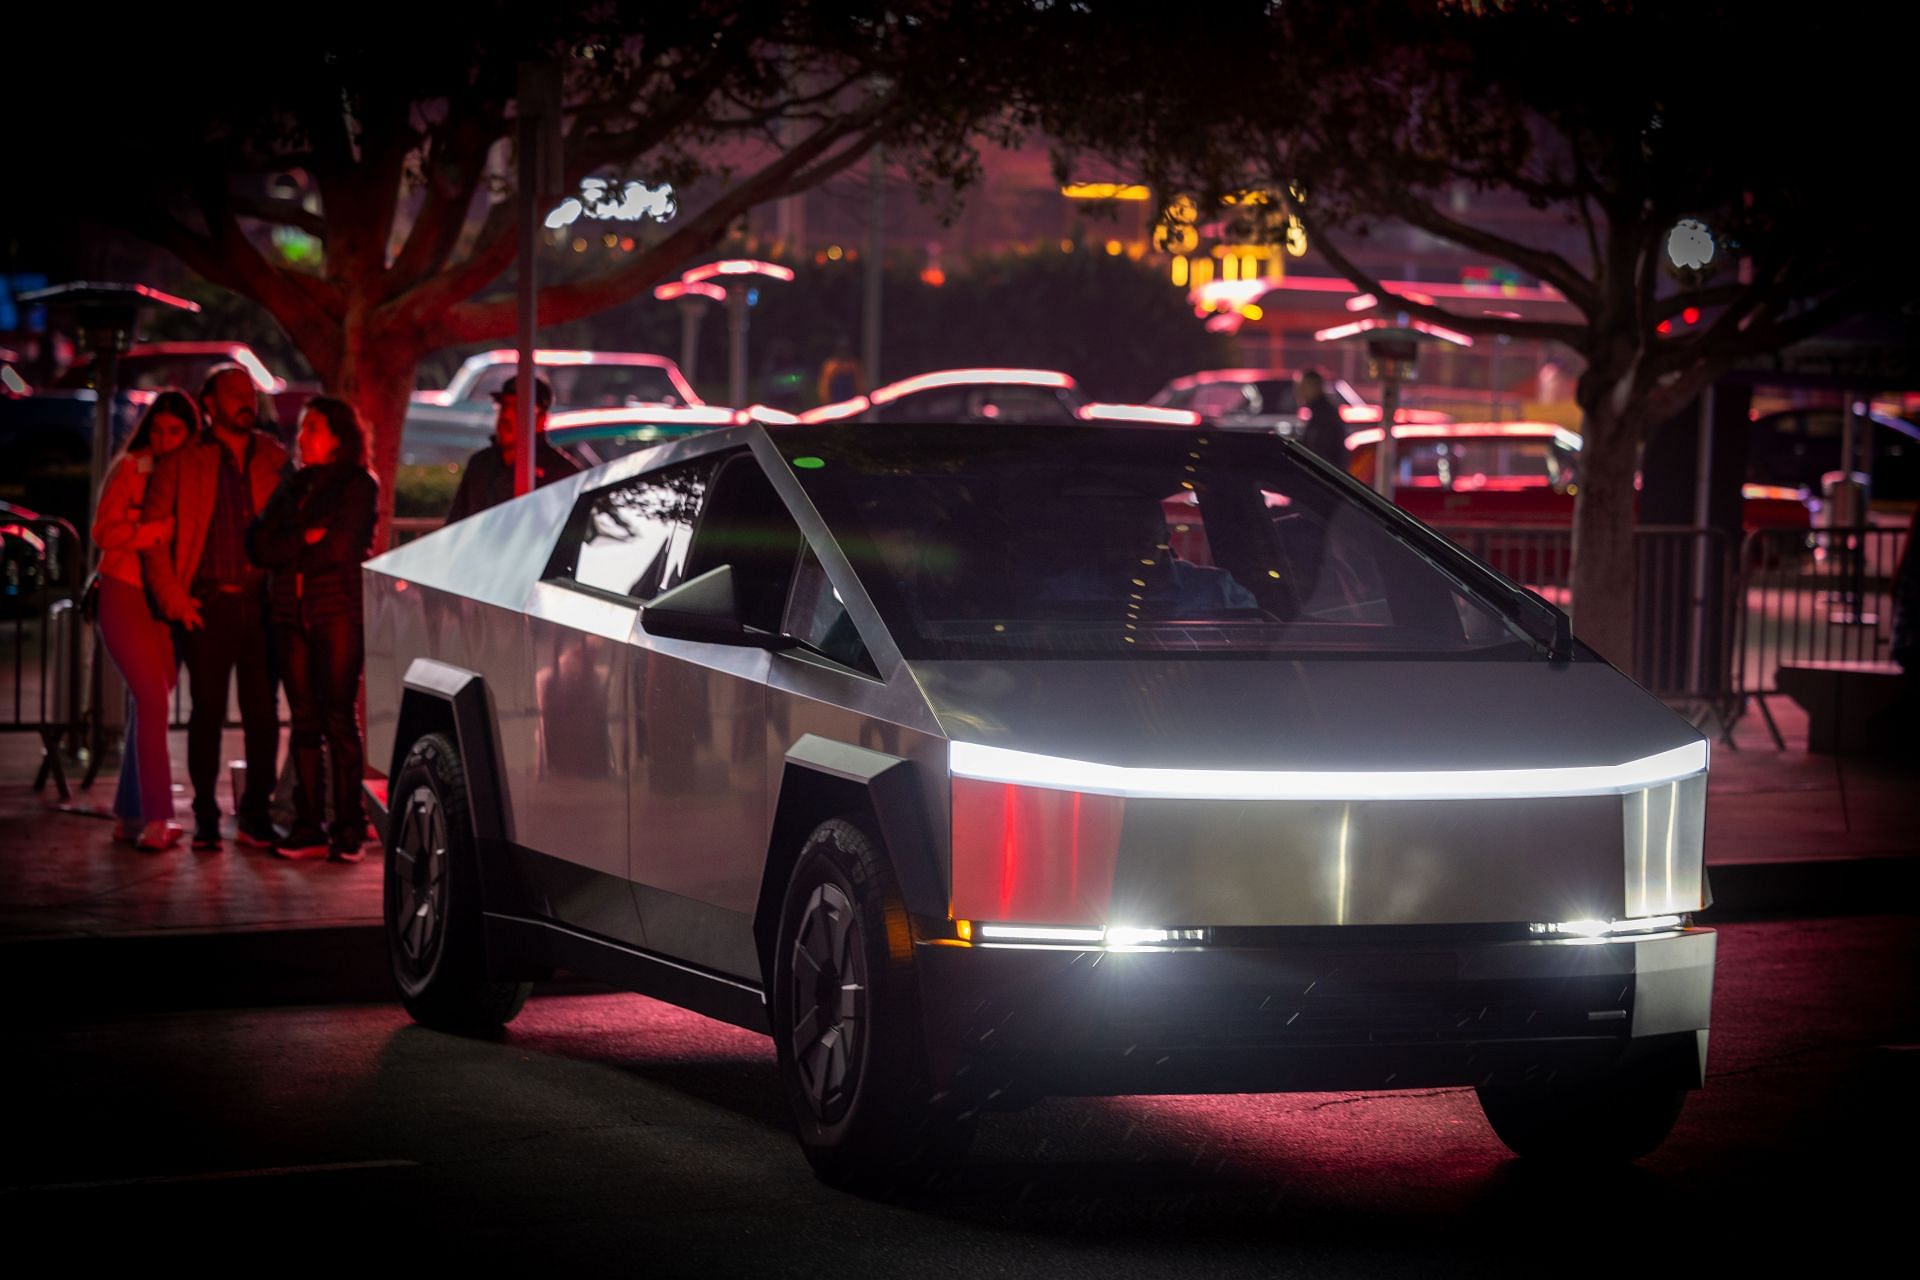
[1687, 590]
[1813, 597]
[41, 634]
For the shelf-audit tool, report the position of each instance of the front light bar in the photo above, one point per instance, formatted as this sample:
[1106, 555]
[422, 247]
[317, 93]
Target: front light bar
[1608, 928]
[1108, 937]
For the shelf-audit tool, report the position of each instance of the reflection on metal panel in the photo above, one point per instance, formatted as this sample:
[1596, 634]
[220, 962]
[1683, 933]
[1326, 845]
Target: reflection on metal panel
[570, 783]
[1663, 839]
[697, 781]
[1182, 863]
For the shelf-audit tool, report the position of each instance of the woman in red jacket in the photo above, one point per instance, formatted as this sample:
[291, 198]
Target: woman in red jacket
[316, 530]
[140, 643]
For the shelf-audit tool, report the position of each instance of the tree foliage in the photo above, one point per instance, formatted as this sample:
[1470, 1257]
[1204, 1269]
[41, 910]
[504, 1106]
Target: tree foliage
[1618, 118]
[383, 134]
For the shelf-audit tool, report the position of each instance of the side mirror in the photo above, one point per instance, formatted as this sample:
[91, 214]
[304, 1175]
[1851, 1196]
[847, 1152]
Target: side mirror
[707, 609]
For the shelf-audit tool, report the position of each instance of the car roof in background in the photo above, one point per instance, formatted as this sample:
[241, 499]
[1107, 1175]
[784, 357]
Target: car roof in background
[1564, 436]
[611, 424]
[984, 376]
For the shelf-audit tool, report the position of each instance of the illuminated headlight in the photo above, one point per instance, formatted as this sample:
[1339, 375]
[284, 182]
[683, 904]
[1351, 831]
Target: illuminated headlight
[1608, 928]
[1116, 936]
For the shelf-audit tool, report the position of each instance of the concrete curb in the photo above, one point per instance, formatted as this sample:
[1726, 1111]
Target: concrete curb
[83, 976]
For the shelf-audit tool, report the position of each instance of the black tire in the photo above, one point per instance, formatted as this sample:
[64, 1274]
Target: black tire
[847, 1024]
[432, 894]
[1608, 1122]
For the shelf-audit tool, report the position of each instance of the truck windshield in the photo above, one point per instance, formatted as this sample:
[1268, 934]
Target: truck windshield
[985, 541]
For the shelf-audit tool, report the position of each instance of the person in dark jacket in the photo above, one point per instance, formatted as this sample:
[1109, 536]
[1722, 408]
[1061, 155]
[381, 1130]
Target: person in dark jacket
[315, 532]
[488, 480]
[1321, 427]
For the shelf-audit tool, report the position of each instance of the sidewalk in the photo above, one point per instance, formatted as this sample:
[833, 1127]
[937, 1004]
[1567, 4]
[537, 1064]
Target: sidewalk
[1787, 834]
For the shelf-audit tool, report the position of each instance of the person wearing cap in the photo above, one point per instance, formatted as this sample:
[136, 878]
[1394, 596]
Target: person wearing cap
[488, 480]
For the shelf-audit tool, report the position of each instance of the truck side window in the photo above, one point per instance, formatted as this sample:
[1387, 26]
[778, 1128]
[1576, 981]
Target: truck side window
[632, 538]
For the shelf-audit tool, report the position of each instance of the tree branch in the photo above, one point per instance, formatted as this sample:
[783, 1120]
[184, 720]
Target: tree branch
[474, 321]
[443, 212]
[1542, 263]
[1573, 335]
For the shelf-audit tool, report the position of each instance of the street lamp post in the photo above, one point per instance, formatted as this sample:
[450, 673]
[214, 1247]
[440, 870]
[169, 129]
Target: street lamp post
[693, 299]
[739, 292]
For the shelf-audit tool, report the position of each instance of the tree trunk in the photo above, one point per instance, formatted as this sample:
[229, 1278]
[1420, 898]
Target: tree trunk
[1603, 519]
[378, 378]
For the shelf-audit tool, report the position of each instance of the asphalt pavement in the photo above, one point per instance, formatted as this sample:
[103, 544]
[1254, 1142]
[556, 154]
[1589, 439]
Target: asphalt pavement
[102, 925]
[616, 1135]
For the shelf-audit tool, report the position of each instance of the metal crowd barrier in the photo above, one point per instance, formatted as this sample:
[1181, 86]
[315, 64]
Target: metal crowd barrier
[1815, 597]
[1684, 614]
[41, 633]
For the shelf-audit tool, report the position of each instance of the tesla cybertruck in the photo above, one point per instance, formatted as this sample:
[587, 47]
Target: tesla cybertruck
[980, 763]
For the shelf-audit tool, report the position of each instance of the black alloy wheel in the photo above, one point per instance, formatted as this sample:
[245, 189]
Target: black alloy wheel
[847, 1025]
[828, 969]
[417, 877]
[435, 944]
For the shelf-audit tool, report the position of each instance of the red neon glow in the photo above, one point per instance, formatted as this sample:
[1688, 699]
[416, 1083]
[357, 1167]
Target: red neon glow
[737, 267]
[1371, 413]
[165, 299]
[836, 411]
[689, 288]
[1771, 493]
[1691, 315]
[1366, 301]
[1139, 413]
[1464, 430]
[1407, 288]
[1358, 327]
[972, 377]
[1033, 854]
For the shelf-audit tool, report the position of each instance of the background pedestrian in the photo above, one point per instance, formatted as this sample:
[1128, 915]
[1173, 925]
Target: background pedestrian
[488, 479]
[136, 638]
[1321, 428]
[202, 578]
[316, 531]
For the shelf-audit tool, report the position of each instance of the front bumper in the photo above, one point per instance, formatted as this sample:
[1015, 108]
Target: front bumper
[1318, 1009]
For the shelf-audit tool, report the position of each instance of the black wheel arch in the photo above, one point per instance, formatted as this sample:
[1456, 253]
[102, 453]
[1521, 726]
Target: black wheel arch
[438, 697]
[824, 779]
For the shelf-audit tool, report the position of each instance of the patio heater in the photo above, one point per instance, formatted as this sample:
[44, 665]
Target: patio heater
[1393, 355]
[103, 317]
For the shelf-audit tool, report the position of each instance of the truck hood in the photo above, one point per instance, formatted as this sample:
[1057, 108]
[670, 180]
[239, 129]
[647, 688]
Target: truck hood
[1318, 715]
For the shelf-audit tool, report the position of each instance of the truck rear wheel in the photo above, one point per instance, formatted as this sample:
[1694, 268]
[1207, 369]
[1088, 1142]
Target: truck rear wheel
[432, 899]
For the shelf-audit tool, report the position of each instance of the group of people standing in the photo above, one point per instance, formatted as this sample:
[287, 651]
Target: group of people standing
[222, 553]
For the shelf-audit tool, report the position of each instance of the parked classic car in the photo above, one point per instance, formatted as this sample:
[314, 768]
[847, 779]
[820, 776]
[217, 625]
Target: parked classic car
[591, 437]
[448, 425]
[977, 763]
[964, 395]
[1264, 400]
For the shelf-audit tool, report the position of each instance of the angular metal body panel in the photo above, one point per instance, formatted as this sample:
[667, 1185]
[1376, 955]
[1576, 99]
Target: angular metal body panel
[641, 779]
